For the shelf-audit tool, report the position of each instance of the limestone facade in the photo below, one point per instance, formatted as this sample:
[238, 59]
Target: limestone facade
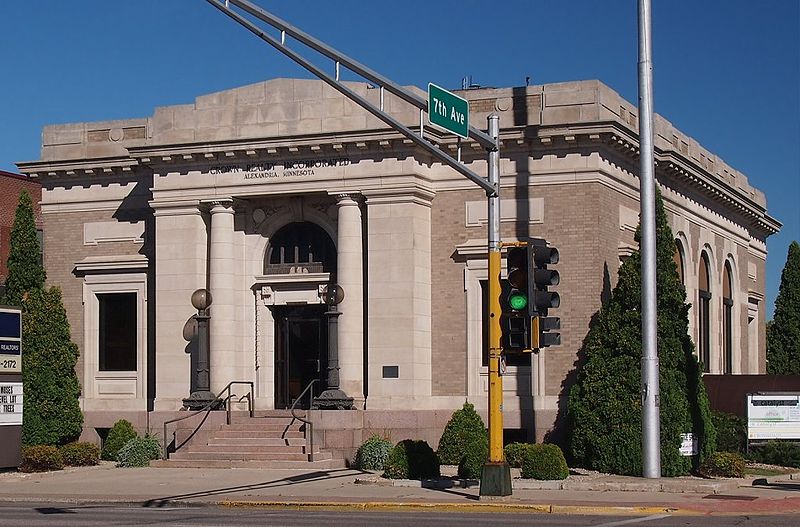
[192, 196]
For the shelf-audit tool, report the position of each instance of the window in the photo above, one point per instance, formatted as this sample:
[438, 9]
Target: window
[727, 320]
[117, 331]
[300, 246]
[678, 259]
[703, 312]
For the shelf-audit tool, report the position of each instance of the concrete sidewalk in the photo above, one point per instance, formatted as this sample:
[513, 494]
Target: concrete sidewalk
[158, 487]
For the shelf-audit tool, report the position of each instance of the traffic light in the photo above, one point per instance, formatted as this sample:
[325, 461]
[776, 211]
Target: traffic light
[541, 299]
[514, 300]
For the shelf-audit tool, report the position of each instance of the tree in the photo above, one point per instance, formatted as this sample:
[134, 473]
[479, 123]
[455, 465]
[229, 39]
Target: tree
[783, 334]
[604, 411]
[25, 271]
[51, 414]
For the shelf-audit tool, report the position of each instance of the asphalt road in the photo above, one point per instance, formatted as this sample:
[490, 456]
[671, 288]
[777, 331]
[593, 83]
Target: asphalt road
[33, 515]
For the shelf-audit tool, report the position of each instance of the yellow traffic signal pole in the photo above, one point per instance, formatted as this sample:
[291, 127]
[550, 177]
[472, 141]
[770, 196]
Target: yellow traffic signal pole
[496, 476]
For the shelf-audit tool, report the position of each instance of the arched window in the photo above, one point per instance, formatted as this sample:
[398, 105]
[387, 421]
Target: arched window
[300, 247]
[727, 320]
[703, 311]
[678, 259]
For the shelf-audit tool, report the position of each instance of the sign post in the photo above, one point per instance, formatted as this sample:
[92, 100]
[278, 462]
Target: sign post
[10, 386]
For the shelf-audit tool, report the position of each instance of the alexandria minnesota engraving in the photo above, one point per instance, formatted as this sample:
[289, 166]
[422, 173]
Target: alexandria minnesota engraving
[302, 167]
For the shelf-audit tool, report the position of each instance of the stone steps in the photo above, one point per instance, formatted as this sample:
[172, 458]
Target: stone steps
[269, 440]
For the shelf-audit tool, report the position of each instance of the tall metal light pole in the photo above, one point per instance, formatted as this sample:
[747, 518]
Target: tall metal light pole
[496, 475]
[651, 426]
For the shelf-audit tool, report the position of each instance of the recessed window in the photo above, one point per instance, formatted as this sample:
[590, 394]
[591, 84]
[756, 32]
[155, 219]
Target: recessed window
[117, 331]
[703, 314]
[727, 320]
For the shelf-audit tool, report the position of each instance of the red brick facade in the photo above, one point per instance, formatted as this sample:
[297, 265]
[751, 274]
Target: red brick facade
[11, 185]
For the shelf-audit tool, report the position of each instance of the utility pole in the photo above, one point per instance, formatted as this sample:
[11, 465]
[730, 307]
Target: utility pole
[651, 426]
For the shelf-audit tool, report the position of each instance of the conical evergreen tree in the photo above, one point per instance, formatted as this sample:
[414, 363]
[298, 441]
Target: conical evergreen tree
[604, 413]
[783, 334]
[51, 414]
[25, 271]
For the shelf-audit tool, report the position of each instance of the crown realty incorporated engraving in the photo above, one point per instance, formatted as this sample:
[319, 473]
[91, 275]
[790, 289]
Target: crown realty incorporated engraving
[278, 169]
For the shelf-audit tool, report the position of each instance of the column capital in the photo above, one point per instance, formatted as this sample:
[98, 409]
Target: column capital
[348, 198]
[220, 205]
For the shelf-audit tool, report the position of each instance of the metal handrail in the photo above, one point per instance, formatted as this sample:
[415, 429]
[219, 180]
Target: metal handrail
[308, 430]
[208, 408]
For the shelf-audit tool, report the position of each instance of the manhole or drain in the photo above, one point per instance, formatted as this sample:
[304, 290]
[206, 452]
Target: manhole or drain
[729, 497]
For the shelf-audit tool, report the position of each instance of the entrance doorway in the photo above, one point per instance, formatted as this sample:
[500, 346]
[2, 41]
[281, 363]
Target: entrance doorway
[301, 352]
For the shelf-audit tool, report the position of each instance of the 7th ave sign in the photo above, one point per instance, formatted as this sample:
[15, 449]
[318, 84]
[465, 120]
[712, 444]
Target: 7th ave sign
[447, 110]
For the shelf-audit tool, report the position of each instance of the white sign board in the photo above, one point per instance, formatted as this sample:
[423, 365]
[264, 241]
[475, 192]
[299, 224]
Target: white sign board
[773, 416]
[689, 445]
[10, 403]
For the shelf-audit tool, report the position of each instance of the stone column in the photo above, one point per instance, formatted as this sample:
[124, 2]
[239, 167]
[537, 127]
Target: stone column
[221, 281]
[350, 278]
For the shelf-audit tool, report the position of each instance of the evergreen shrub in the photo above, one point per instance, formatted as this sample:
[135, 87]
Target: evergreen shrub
[604, 409]
[138, 452]
[723, 465]
[514, 453]
[25, 270]
[41, 458]
[781, 453]
[783, 332]
[411, 459]
[117, 437]
[731, 432]
[51, 413]
[471, 465]
[464, 429]
[545, 462]
[372, 453]
[80, 454]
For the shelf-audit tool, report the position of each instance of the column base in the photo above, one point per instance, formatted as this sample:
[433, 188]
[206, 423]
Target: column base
[332, 400]
[496, 479]
[202, 401]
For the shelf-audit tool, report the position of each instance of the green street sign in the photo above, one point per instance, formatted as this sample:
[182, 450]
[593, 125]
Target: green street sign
[447, 110]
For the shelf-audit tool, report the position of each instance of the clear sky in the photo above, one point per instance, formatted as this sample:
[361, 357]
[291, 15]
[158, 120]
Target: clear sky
[726, 72]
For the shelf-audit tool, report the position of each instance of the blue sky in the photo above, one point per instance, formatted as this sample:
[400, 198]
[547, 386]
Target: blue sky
[726, 72]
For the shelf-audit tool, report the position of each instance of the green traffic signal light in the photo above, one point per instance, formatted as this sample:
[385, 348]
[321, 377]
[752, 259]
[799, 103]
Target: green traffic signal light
[518, 300]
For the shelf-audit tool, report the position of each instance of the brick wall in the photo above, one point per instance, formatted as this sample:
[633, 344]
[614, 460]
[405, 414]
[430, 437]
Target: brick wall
[11, 185]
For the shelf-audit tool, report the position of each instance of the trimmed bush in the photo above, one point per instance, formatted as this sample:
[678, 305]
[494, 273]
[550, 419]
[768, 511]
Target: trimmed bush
[604, 409]
[138, 452]
[51, 413]
[411, 460]
[723, 465]
[117, 437]
[544, 461]
[782, 453]
[78, 454]
[471, 465]
[731, 432]
[372, 453]
[514, 453]
[41, 458]
[464, 428]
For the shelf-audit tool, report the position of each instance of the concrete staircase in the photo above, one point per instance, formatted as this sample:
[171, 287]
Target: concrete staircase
[271, 439]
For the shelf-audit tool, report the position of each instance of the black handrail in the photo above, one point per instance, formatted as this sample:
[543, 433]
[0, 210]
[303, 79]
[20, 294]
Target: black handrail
[308, 430]
[208, 408]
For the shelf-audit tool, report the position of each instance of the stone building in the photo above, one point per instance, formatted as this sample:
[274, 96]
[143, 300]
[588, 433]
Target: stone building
[267, 193]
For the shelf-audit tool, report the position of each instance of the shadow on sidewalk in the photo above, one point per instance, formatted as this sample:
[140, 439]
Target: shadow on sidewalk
[283, 482]
[762, 483]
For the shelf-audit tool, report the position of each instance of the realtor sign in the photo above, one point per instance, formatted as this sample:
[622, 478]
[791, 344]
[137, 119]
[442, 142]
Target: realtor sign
[10, 340]
[773, 416]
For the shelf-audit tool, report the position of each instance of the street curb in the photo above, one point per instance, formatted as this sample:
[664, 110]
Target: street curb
[451, 507]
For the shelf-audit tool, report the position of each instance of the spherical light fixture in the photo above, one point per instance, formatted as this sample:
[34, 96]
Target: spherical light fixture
[201, 299]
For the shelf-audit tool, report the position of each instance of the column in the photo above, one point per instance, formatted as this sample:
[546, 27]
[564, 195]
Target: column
[350, 277]
[221, 282]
